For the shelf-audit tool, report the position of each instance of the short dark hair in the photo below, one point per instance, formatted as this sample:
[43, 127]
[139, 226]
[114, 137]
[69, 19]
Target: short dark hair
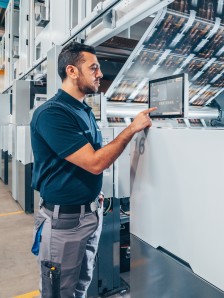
[71, 54]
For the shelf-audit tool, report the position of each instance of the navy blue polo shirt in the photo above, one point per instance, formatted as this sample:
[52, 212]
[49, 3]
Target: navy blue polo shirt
[60, 127]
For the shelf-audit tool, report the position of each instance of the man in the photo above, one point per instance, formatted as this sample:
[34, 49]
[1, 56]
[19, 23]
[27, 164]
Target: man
[68, 166]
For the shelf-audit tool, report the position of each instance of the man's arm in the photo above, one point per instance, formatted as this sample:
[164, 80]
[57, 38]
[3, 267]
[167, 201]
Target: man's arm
[96, 162]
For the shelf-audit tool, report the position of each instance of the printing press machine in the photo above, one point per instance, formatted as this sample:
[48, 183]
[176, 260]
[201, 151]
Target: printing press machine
[175, 212]
[176, 201]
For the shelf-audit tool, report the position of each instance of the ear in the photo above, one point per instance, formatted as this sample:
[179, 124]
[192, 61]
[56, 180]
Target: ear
[72, 71]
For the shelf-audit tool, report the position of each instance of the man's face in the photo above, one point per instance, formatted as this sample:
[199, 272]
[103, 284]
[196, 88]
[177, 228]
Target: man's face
[89, 74]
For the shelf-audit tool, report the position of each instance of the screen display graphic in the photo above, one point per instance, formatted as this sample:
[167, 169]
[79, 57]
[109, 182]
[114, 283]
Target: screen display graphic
[169, 96]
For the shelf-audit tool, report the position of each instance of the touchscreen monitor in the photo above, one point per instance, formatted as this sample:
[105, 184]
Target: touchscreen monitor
[170, 96]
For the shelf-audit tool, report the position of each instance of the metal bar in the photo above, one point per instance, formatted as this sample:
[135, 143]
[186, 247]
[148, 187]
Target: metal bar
[134, 53]
[90, 19]
[124, 19]
[78, 29]
[119, 109]
[27, 73]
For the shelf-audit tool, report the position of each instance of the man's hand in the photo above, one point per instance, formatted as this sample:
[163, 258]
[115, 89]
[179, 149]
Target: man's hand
[142, 120]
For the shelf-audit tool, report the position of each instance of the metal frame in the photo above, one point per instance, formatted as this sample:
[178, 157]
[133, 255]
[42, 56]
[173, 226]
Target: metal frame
[135, 52]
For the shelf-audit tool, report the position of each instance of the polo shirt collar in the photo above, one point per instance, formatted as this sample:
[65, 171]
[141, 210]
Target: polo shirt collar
[65, 97]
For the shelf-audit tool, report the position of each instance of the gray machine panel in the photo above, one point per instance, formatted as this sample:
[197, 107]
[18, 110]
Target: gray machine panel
[5, 108]
[10, 172]
[108, 136]
[54, 81]
[25, 194]
[177, 197]
[116, 179]
[155, 274]
[1, 165]
[21, 102]
[122, 170]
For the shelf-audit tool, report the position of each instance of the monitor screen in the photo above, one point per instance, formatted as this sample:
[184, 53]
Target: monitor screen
[170, 96]
[94, 101]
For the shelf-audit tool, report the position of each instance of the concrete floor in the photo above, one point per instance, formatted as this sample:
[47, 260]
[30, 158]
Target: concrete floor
[18, 268]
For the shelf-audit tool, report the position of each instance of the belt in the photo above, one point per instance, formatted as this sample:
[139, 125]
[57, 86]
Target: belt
[68, 209]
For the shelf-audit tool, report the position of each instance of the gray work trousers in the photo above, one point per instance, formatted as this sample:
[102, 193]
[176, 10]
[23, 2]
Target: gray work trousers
[67, 251]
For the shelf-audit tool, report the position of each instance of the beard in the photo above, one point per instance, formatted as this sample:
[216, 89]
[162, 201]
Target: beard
[85, 88]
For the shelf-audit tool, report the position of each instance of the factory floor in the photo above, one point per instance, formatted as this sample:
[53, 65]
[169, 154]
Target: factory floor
[18, 268]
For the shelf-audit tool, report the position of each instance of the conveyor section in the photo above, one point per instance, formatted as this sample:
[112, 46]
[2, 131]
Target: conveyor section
[175, 42]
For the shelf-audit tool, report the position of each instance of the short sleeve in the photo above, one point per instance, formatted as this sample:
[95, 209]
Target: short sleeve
[60, 131]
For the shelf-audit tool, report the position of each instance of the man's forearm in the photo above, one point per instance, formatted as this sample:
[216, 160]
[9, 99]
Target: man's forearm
[109, 153]
[97, 161]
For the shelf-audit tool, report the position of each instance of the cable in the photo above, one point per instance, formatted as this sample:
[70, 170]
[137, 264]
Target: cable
[122, 211]
[109, 206]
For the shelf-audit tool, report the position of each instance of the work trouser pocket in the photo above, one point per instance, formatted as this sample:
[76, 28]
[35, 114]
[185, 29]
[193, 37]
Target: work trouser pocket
[66, 222]
[38, 226]
[51, 273]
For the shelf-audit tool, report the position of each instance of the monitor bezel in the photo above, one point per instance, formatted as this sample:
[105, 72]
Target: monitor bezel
[185, 92]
